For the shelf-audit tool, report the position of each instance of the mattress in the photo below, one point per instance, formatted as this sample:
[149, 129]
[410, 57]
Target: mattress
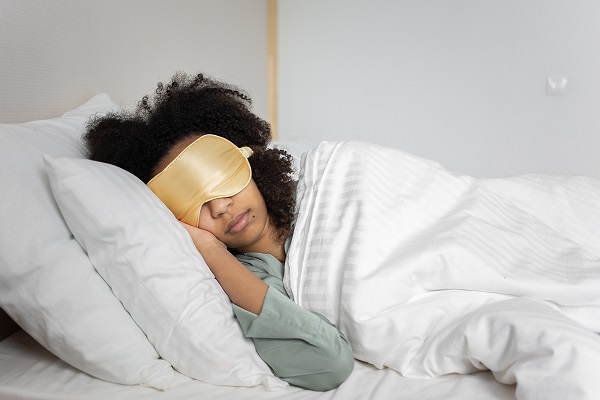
[29, 372]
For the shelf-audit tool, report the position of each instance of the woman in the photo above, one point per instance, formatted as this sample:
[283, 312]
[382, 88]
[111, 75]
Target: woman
[237, 205]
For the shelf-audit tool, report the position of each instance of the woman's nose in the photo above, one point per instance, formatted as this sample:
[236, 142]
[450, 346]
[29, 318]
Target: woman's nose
[219, 206]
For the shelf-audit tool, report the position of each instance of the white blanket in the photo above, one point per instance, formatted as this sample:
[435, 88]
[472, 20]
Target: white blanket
[430, 273]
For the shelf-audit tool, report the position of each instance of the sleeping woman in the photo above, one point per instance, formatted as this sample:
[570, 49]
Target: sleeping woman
[424, 271]
[203, 152]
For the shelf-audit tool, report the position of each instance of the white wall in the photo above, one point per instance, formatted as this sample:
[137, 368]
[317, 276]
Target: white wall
[56, 54]
[462, 82]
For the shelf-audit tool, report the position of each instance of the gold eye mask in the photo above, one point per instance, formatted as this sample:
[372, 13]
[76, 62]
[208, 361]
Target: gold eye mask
[210, 168]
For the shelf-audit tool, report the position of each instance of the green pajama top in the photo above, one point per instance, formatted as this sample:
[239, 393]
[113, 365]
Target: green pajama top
[301, 347]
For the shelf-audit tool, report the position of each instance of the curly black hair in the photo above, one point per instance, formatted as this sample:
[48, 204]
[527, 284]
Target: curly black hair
[192, 106]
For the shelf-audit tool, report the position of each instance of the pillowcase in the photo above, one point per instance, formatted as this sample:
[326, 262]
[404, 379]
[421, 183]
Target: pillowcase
[47, 283]
[153, 267]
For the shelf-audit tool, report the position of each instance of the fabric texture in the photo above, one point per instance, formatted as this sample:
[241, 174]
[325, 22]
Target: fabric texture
[217, 167]
[301, 347]
[153, 267]
[431, 273]
[47, 283]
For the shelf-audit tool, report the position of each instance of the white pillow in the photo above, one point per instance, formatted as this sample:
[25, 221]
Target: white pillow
[153, 267]
[47, 283]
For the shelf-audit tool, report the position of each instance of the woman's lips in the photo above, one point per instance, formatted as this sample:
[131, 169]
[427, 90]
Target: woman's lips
[238, 223]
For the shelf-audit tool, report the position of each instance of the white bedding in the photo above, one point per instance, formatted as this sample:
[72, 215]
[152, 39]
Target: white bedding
[62, 78]
[29, 372]
[431, 273]
[431, 322]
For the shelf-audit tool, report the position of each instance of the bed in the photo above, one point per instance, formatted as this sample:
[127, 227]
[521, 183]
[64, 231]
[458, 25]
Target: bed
[96, 304]
[98, 290]
[30, 370]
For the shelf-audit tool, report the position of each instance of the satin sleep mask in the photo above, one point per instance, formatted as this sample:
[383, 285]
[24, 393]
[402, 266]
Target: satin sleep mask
[210, 168]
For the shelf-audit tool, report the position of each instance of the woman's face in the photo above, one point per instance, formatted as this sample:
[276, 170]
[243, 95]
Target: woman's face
[240, 221]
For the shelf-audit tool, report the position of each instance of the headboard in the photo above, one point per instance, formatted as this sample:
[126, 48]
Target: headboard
[56, 55]
[7, 325]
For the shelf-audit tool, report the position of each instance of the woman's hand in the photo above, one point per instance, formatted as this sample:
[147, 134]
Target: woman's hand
[242, 286]
[202, 238]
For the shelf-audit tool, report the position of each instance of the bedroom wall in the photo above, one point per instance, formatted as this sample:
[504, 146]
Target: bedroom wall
[56, 54]
[463, 82]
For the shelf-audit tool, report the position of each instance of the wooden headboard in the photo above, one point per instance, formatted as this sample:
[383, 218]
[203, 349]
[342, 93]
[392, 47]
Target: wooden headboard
[7, 325]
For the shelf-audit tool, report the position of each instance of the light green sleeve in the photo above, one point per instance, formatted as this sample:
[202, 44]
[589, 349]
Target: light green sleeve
[301, 347]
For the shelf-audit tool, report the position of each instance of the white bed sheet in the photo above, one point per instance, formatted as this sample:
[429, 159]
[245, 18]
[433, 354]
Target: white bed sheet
[29, 372]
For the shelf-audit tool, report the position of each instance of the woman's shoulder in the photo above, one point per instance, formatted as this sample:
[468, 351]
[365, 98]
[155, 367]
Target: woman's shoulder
[261, 263]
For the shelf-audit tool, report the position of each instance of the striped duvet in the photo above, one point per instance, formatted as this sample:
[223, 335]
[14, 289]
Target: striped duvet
[430, 273]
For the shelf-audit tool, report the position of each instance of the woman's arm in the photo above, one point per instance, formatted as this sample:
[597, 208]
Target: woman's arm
[242, 286]
[301, 347]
